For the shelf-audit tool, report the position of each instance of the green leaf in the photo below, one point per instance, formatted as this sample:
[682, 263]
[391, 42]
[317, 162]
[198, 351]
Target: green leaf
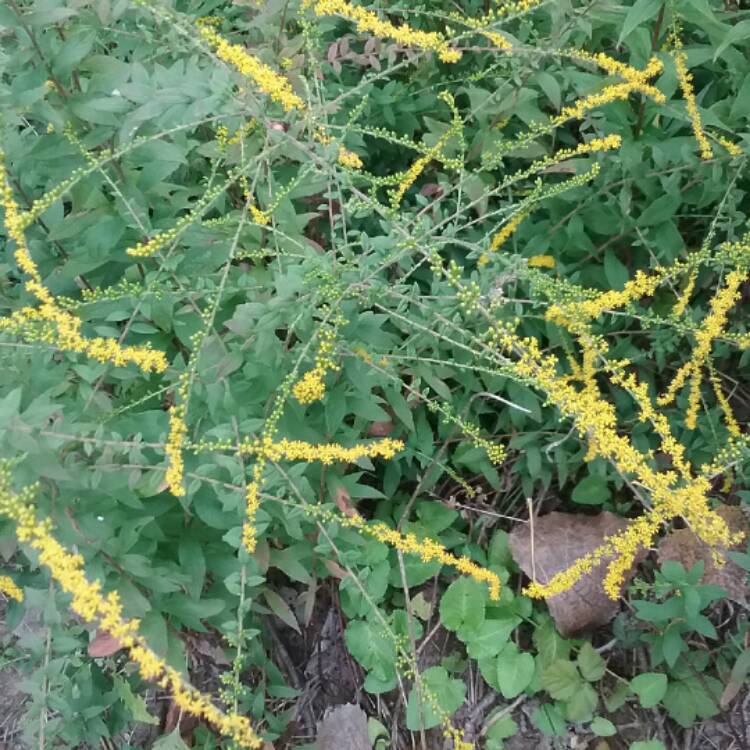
[548, 720]
[502, 728]
[582, 704]
[514, 671]
[372, 648]
[602, 727]
[448, 692]
[135, 704]
[171, 741]
[590, 664]
[650, 688]
[561, 680]
[647, 745]
[462, 605]
[672, 644]
[640, 12]
[616, 273]
[193, 564]
[281, 609]
[660, 210]
[591, 491]
[490, 637]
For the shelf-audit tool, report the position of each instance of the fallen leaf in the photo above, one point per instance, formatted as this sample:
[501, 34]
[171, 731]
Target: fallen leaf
[103, 644]
[683, 546]
[381, 429]
[343, 728]
[335, 569]
[344, 502]
[559, 540]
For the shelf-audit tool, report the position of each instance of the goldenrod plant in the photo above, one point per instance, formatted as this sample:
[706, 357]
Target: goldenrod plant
[307, 306]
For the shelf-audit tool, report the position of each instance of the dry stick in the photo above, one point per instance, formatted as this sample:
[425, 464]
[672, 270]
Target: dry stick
[413, 644]
[530, 506]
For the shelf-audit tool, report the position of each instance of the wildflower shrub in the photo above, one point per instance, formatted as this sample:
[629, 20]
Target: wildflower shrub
[273, 310]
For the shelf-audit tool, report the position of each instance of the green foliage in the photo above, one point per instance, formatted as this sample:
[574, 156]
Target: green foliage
[124, 99]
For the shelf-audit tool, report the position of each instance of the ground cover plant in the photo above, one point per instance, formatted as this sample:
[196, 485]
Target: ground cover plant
[386, 353]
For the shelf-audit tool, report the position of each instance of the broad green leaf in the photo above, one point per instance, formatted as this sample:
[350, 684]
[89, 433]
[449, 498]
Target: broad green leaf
[561, 680]
[590, 664]
[640, 12]
[515, 670]
[463, 604]
[591, 491]
[448, 692]
[602, 727]
[650, 688]
[490, 637]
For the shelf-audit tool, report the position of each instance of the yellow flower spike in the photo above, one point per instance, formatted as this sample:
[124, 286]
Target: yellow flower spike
[712, 327]
[311, 387]
[434, 152]
[259, 217]
[369, 22]
[106, 611]
[732, 148]
[686, 84]
[596, 421]
[173, 449]
[733, 426]
[273, 84]
[48, 322]
[10, 589]
[428, 550]
[507, 231]
[541, 261]
[349, 159]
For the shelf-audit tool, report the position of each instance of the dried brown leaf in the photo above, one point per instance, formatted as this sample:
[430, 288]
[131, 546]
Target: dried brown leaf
[559, 540]
[683, 546]
[343, 728]
[344, 502]
[335, 569]
[103, 644]
[381, 429]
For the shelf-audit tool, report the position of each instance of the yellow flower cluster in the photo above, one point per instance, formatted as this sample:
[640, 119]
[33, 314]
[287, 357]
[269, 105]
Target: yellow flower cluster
[686, 84]
[712, 327]
[434, 152]
[541, 261]
[349, 159]
[48, 322]
[369, 22]
[259, 217]
[575, 315]
[225, 140]
[731, 147]
[595, 145]
[481, 25]
[611, 66]
[310, 387]
[106, 611]
[10, 589]
[684, 296]
[295, 450]
[298, 450]
[595, 419]
[503, 236]
[636, 82]
[732, 425]
[428, 550]
[271, 83]
[173, 449]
